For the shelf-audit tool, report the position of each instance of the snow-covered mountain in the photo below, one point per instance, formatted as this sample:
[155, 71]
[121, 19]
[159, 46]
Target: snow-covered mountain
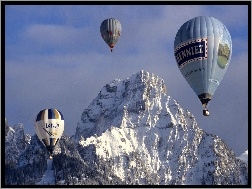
[244, 156]
[25, 156]
[15, 142]
[133, 132]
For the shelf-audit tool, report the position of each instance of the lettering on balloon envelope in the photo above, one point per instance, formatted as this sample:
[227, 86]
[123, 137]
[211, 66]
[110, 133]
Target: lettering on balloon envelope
[191, 51]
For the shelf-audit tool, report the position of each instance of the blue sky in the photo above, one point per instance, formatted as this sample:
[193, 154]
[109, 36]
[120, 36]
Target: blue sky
[56, 58]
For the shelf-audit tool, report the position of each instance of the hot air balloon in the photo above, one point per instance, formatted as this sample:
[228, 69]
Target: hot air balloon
[203, 49]
[49, 126]
[111, 31]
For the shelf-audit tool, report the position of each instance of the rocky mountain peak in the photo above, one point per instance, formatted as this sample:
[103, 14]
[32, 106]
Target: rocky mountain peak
[140, 96]
[15, 141]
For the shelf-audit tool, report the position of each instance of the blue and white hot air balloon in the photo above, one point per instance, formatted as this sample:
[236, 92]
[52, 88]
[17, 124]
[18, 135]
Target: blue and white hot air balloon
[111, 31]
[203, 49]
[49, 126]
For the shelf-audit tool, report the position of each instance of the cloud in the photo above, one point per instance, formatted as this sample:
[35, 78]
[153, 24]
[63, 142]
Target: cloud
[54, 36]
[233, 16]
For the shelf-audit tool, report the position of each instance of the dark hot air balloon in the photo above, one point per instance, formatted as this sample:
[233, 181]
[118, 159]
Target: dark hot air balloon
[111, 31]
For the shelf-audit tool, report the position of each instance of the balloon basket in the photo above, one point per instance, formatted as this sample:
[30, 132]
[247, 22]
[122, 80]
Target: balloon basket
[205, 112]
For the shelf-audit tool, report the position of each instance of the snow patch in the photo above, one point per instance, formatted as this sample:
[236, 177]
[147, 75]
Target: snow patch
[244, 156]
[48, 177]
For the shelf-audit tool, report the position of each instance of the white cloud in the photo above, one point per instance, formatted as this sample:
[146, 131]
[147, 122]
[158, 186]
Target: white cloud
[53, 34]
[233, 16]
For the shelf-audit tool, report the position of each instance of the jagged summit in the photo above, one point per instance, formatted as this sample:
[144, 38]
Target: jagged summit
[15, 141]
[140, 100]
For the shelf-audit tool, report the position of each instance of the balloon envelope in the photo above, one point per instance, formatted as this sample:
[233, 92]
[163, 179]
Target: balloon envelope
[49, 126]
[203, 49]
[111, 31]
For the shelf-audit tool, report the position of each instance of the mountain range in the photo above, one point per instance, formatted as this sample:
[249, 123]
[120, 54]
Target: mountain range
[132, 133]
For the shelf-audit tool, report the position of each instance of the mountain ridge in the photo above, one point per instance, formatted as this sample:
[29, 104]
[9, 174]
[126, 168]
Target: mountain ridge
[133, 132]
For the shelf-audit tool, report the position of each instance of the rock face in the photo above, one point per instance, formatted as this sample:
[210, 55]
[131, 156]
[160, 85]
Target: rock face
[133, 132]
[124, 103]
[25, 156]
[16, 142]
[149, 138]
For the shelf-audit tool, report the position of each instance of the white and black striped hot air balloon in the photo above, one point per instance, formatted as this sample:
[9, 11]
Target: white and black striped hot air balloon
[111, 31]
[49, 126]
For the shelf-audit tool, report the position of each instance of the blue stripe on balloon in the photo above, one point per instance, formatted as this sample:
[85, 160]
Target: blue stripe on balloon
[61, 115]
[39, 116]
[51, 114]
